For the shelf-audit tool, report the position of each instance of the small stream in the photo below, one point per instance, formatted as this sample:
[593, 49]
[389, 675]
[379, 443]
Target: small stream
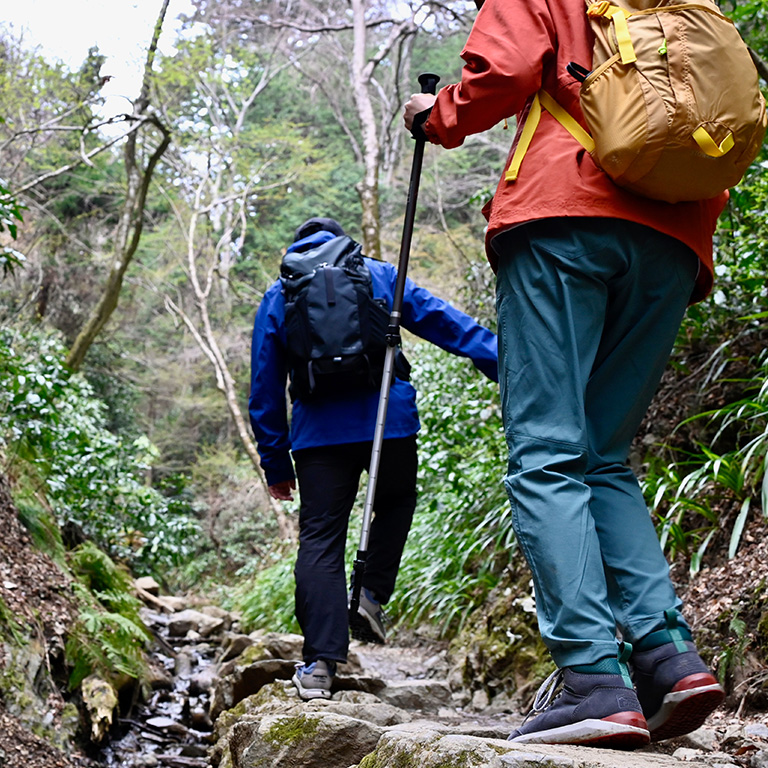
[168, 725]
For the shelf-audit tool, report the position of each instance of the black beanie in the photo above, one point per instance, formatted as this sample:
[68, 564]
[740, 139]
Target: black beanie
[318, 224]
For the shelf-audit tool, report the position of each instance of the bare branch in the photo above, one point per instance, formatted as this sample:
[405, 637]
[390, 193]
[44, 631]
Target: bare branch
[137, 123]
[318, 29]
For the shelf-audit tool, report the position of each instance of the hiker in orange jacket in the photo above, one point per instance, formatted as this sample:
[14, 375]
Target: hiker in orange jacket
[592, 284]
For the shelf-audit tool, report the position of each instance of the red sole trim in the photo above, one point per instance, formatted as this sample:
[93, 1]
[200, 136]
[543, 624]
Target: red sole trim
[699, 680]
[634, 719]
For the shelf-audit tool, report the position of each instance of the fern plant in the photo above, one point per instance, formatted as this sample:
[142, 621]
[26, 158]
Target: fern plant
[109, 636]
[104, 642]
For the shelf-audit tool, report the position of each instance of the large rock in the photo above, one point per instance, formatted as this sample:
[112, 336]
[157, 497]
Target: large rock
[192, 620]
[419, 695]
[279, 645]
[280, 698]
[231, 689]
[425, 748]
[303, 740]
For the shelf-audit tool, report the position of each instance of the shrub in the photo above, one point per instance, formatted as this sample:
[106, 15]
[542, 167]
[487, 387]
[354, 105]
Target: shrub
[55, 445]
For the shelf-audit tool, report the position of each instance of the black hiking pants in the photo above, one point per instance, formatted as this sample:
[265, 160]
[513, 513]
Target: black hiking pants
[328, 479]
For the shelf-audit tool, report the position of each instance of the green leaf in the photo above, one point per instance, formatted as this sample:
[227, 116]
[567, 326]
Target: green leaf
[738, 528]
[764, 494]
[697, 556]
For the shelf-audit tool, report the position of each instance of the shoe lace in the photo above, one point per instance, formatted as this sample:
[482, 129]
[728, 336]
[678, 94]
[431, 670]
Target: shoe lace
[546, 694]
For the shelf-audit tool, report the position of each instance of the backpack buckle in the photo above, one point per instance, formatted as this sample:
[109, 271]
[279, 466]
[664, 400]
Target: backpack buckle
[600, 8]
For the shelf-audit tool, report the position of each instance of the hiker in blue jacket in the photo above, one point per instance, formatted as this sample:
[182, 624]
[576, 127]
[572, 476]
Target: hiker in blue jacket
[329, 440]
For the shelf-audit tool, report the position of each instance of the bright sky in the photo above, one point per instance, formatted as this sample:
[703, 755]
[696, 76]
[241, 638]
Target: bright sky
[122, 29]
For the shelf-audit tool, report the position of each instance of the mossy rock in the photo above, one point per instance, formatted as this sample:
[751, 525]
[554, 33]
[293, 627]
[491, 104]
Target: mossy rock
[253, 653]
[301, 740]
[500, 648]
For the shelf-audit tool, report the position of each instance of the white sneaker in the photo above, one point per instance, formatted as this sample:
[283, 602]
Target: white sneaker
[368, 624]
[313, 681]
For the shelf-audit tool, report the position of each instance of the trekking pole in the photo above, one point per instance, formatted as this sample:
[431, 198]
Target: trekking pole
[428, 84]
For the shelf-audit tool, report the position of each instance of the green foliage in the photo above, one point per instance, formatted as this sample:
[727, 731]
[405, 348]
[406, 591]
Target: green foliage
[733, 654]
[43, 528]
[241, 530]
[104, 642]
[462, 535]
[54, 442]
[699, 493]
[10, 213]
[10, 628]
[265, 600]
[104, 578]
[109, 636]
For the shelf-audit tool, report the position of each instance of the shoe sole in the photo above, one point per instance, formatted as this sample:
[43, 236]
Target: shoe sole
[360, 628]
[624, 730]
[686, 707]
[307, 694]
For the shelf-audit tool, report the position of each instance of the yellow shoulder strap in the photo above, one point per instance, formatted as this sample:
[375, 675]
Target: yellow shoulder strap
[568, 122]
[531, 123]
[543, 100]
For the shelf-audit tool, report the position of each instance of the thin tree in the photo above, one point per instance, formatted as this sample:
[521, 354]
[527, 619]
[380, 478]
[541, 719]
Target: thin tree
[205, 337]
[218, 175]
[131, 219]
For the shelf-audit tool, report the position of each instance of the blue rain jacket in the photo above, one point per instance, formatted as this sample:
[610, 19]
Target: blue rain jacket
[350, 418]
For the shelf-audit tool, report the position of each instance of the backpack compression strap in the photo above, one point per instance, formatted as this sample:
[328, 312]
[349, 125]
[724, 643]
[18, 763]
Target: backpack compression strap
[619, 18]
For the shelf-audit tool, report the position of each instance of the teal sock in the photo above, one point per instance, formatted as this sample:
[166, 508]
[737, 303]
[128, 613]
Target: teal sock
[607, 666]
[672, 633]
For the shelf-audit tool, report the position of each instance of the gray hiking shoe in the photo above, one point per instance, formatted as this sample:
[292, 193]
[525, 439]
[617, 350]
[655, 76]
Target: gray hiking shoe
[589, 710]
[313, 681]
[368, 624]
[675, 688]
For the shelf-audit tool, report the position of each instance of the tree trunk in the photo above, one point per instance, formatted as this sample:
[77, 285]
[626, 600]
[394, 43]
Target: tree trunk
[130, 224]
[368, 187]
[207, 342]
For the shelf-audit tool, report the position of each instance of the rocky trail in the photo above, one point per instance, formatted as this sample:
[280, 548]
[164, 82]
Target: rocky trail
[223, 699]
[219, 697]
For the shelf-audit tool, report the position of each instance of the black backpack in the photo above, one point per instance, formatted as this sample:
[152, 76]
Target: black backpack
[336, 331]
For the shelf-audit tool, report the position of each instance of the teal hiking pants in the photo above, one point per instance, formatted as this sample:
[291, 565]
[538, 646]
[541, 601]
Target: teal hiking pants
[588, 310]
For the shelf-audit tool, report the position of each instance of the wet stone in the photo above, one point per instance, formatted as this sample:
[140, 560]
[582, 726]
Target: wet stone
[756, 731]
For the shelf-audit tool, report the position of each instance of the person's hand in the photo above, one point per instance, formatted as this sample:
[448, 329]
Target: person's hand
[419, 102]
[282, 491]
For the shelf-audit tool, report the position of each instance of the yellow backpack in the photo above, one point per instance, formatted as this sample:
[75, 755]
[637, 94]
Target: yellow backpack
[672, 102]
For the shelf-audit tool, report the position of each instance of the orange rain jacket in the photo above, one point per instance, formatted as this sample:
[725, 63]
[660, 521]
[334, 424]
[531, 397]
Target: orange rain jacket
[515, 48]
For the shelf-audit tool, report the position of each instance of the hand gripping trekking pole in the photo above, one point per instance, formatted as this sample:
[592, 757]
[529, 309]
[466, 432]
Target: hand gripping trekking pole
[428, 85]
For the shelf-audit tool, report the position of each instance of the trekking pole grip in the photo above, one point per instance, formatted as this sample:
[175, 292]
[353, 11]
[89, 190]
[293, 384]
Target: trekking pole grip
[428, 82]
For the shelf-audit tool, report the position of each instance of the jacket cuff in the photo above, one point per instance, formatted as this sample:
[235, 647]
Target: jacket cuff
[279, 471]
